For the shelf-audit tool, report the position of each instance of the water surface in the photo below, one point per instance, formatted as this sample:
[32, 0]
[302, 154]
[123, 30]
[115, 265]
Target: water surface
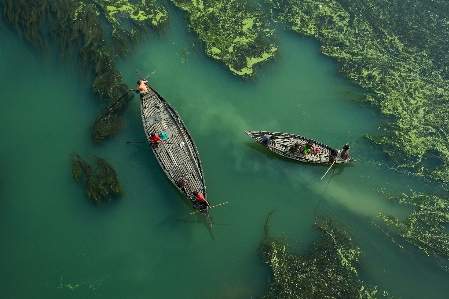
[56, 243]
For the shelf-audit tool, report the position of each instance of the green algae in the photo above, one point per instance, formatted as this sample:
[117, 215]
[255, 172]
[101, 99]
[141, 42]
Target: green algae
[326, 270]
[424, 226]
[101, 182]
[147, 11]
[233, 32]
[401, 62]
[78, 29]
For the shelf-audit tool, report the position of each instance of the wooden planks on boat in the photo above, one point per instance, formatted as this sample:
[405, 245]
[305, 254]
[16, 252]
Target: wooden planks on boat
[178, 155]
[283, 141]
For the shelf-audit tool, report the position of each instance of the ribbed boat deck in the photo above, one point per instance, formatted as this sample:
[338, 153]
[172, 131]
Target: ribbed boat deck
[177, 155]
[283, 141]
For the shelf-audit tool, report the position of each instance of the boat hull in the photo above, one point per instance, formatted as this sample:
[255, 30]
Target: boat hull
[177, 155]
[282, 142]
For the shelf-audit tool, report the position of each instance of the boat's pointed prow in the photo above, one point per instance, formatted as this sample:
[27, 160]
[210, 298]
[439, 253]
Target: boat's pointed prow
[206, 215]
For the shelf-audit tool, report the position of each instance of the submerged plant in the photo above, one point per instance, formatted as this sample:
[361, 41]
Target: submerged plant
[424, 227]
[327, 270]
[401, 57]
[233, 32]
[77, 26]
[101, 181]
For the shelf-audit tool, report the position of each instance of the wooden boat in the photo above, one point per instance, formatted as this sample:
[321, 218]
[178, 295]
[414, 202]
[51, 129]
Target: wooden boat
[177, 155]
[283, 142]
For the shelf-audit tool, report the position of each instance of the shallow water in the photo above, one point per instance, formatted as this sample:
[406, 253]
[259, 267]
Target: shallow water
[56, 243]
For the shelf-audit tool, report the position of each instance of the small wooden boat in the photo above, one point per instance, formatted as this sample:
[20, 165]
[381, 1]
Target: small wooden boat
[292, 146]
[177, 154]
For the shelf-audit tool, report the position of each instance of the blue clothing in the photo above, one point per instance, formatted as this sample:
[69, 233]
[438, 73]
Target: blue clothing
[163, 135]
[266, 139]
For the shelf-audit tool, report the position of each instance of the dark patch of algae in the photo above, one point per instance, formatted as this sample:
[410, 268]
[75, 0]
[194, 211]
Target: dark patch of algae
[424, 227]
[77, 25]
[101, 182]
[327, 270]
[399, 51]
[233, 32]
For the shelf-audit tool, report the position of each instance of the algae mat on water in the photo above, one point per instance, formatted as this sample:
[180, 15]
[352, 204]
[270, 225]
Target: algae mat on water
[401, 60]
[327, 270]
[424, 227]
[234, 32]
[101, 182]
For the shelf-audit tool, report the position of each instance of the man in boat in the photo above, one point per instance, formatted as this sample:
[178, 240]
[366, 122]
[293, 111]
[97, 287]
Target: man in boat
[333, 155]
[344, 153]
[142, 89]
[182, 184]
[266, 139]
[200, 202]
[155, 139]
[295, 147]
[307, 148]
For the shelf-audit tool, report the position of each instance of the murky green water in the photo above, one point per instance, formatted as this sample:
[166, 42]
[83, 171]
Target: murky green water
[55, 243]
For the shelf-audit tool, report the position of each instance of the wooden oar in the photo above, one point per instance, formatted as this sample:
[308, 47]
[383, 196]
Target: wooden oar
[144, 79]
[129, 91]
[110, 107]
[150, 74]
[201, 210]
[328, 169]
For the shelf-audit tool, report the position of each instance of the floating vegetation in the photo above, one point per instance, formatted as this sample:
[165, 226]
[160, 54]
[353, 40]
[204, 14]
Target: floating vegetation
[233, 32]
[424, 227]
[327, 270]
[402, 57]
[128, 19]
[77, 25]
[101, 181]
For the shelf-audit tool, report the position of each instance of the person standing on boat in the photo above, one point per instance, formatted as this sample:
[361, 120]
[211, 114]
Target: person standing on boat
[155, 139]
[142, 89]
[344, 153]
[200, 201]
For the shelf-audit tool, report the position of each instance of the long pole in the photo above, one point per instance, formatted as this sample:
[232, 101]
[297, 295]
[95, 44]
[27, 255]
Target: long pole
[128, 92]
[150, 74]
[119, 99]
[202, 210]
[328, 169]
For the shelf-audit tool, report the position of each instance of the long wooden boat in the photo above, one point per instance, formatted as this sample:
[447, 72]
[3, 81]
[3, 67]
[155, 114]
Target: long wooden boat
[177, 155]
[283, 143]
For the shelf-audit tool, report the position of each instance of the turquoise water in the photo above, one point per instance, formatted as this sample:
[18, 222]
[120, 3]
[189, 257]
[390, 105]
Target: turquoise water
[55, 243]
